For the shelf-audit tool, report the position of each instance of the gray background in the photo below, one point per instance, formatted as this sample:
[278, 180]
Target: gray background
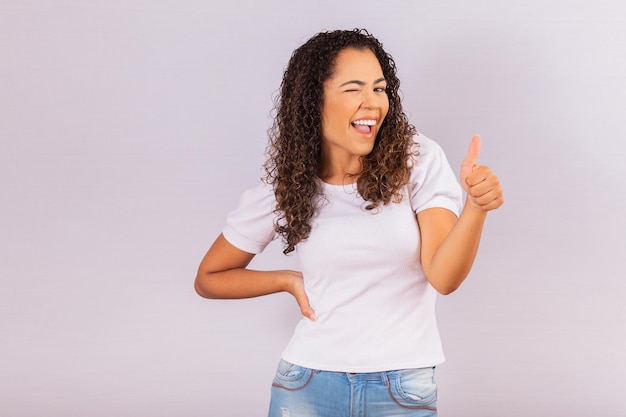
[129, 128]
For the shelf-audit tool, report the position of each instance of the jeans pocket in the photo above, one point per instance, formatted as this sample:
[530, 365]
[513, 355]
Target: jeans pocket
[291, 376]
[415, 388]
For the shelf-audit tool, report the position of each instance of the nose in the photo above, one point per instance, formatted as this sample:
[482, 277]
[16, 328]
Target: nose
[370, 100]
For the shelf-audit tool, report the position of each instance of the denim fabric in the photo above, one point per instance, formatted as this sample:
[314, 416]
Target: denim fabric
[304, 392]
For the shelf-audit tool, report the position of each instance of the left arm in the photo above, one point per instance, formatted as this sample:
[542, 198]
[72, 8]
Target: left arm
[449, 245]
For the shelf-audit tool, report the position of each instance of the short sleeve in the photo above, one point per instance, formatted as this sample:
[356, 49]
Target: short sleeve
[250, 227]
[433, 183]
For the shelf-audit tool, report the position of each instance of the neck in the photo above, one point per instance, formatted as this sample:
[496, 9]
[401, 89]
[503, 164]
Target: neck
[334, 171]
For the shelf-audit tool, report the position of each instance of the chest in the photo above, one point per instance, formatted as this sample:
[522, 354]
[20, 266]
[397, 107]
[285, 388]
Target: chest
[346, 235]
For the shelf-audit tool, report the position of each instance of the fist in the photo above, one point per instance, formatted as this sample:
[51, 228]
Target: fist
[479, 182]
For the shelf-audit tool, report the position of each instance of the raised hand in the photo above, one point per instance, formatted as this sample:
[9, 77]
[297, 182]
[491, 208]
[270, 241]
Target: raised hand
[481, 185]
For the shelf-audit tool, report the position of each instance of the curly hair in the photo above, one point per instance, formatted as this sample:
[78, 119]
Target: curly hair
[294, 148]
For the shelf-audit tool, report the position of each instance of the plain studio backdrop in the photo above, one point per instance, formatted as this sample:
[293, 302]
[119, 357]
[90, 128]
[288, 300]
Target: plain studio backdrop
[129, 129]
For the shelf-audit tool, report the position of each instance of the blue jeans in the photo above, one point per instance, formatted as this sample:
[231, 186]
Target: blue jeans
[304, 392]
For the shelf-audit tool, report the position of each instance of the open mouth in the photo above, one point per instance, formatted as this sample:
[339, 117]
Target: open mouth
[364, 126]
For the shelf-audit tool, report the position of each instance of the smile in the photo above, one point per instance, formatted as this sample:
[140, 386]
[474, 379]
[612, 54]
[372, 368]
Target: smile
[364, 126]
[365, 122]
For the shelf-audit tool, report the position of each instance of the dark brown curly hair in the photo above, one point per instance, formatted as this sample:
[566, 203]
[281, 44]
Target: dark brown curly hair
[294, 149]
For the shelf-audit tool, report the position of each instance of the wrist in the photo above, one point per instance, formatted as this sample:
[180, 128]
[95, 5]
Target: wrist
[285, 281]
[473, 209]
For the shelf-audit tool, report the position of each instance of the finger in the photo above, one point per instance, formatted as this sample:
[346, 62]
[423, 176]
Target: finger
[490, 186]
[310, 314]
[474, 150]
[469, 163]
[489, 201]
[484, 193]
[480, 174]
[484, 198]
[307, 311]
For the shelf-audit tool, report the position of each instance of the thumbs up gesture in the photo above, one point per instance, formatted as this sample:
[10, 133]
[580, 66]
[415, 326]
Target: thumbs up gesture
[481, 185]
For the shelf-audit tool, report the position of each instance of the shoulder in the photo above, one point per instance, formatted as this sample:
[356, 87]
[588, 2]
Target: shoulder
[255, 203]
[432, 182]
[262, 191]
[425, 147]
[250, 226]
[426, 156]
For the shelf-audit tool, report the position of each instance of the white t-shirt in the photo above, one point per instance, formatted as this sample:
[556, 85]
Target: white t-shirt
[362, 272]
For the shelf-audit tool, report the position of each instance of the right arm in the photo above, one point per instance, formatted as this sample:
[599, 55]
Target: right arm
[223, 273]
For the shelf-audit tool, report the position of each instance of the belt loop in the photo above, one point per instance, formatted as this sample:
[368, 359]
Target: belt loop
[385, 378]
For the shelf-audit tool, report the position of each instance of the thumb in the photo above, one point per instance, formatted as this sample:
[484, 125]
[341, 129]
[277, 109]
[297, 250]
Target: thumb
[473, 151]
[469, 163]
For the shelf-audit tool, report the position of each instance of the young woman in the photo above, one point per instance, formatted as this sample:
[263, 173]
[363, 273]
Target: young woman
[375, 213]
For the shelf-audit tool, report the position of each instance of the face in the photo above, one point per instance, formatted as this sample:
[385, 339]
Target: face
[354, 107]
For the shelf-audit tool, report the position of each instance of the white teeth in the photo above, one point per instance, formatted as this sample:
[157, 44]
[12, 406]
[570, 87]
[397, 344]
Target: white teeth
[364, 122]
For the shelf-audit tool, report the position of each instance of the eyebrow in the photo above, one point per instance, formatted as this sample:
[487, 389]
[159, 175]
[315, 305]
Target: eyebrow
[362, 83]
